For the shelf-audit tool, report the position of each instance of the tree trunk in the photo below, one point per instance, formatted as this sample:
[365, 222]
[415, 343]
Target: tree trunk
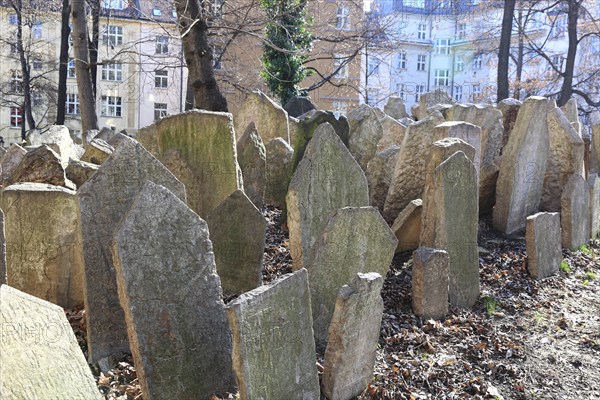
[199, 56]
[189, 96]
[65, 30]
[25, 76]
[504, 51]
[520, 55]
[567, 86]
[93, 43]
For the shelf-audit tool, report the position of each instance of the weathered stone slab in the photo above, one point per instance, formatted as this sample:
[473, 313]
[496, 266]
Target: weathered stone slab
[594, 196]
[430, 271]
[574, 215]
[354, 239]
[103, 201]
[2, 250]
[80, 171]
[171, 294]
[570, 111]
[298, 105]
[39, 354]
[594, 166]
[395, 108]
[271, 120]
[510, 110]
[353, 337]
[467, 132]
[9, 163]
[408, 179]
[521, 179]
[41, 165]
[407, 226]
[252, 158]
[280, 157]
[198, 147]
[564, 159]
[97, 151]
[59, 135]
[327, 178]
[44, 251]
[393, 133]
[237, 231]
[438, 99]
[542, 238]
[273, 346]
[365, 133]
[379, 175]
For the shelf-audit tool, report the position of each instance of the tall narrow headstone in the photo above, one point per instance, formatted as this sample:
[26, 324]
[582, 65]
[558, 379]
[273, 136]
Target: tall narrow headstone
[365, 133]
[467, 132]
[171, 294]
[379, 175]
[594, 144]
[407, 226]
[574, 215]
[271, 120]
[542, 238]
[252, 157]
[430, 283]
[279, 171]
[594, 196]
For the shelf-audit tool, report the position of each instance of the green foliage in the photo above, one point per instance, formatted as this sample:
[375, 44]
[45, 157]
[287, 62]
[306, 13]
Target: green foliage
[287, 47]
[586, 250]
[565, 267]
[590, 275]
[491, 304]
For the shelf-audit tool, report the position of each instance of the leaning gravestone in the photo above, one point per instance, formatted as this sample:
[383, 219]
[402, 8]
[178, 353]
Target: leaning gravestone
[521, 180]
[44, 251]
[438, 99]
[353, 336]
[9, 163]
[171, 294]
[59, 135]
[271, 120]
[430, 283]
[379, 175]
[97, 151]
[273, 347]
[252, 157]
[467, 132]
[354, 239]
[41, 165]
[2, 250]
[542, 238]
[39, 354]
[574, 214]
[365, 133]
[237, 231]
[103, 201]
[393, 133]
[395, 108]
[594, 197]
[298, 105]
[595, 144]
[407, 226]
[279, 171]
[198, 147]
[80, 171]
[509, 109]
[327, 178]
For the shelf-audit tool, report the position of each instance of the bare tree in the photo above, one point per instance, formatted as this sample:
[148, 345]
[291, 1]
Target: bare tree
[504, 52]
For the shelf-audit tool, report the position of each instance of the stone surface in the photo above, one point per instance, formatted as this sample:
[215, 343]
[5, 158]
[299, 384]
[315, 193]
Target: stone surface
[379, 175]
[594, 197]
[542, 238]
[59, 135]
[393, 133]
[39, 354]
[407, 226]
[298, 105]
[327, 178]
[408, 179]
[574, 214]
[595, 144]
[9, 163]
[2, 250]
[365, 133]
[430, 271]
[395, 108]
[510, 110]
[273, 346]
[353, 336]
[97, 151]
[43, 249]
[171, 294]
[237, 231]
[252, 158]
[80, 171]
[280, 158]
[467, 132]
[520, 183]
[565, 158]
[354, 239]
[103, 201]
[570, 111]
[271, 120]
[41, 165]
[198, 147]
[436, 98]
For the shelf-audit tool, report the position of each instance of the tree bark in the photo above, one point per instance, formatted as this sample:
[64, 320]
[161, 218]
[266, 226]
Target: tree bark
[65, 30]
[93, 43]
[25, 75]
[567, 86]
[504, 51]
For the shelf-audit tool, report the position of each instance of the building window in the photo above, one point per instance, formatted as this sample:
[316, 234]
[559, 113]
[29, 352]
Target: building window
[596, 45]
[113, 4]
[16, 117]
[442, 77]
[37, 63]
[401, 90]
[162, 45]
[160, 78]
[419, 90]
[339, 108]
[442, 46]
[16, 82]
[373, 65]
[36, 99]
[174, 14]
[156, 12]
[460, 63]
[462, 31]
[112, 72]
[476, 92]
[71, 68]
[111, 106]
[112, 35]
[557, 62]
[342, 18]
[36, 30]
[421, 59]
[559, 26]
[402, 60]
[340, 65]
[422, 31]
[477, 61]
[160, 110]
[13, 19]
[458, 93]
[72, 104]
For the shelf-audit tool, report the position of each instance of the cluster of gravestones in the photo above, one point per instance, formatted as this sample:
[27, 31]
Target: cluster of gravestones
[150, 233]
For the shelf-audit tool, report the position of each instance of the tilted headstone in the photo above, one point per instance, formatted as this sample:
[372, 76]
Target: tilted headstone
[575, 213]
[9, 163]
[594, 197]
[407, 226]
[271, 120]
[571, 112]
[59, 135]
[252, 158]
[279, 171]
[595, 144]
[395, 108]
[44, 250]
[379, 175]
[41, 165]
[521, 180]
[467, 132]
[393, 133]
[171, 294]
[542, 238]
[273, 347]
[354, 239]
[103, 201]
[198, 147]
[2, 250]
[365, 133]
[438, 99]
[39, 354]
[80, 171]
[97, 151]
[430, 272]
[510, 110]
[327, 178]
[353, 336]
[237, 231]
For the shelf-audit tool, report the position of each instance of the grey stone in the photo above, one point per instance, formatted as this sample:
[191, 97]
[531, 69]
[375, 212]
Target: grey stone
[103, 201]
[395, 108]
[298, 105]
[273, 347]
[252, 158]
[574, 215]
[393, 133]
[237, 230]
[542, 238]
[469, 133]
[379, 175]
[570, 111]
[2, 250]
[594, 197]
[510, 110]
[280, 158]
[10, 162]
[365, 133]
[327, 178]
[430, 271]
[43, 248]
[353, 337]
[39, 354]
[59, 135]
[97, 151]
[595, 144]
[429, 100]
[407, 226]
[354, 239]
[271, 120]
[41, 165]
[171, 294]
[80, 171]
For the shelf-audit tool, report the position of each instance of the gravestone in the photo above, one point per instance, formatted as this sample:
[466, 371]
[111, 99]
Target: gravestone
[9, 163]
[252, 157]
[80, 171]
[430, 271]
[273, 347]
[103, 201]
[572, 114]
[354, 239]
[298, 105]
[521, 180]
[270, 119]
[594, 144]
[365, 133]
[97, 151]
[393, 133]
[353, 336]
[510, 110]
[574, 214]
[438, 99]
[59, 135]
[2, 250]
[237, 231]
[39, 354]
[469, 133]
[198, 147]
[594, 196]
[171, 294]
[407, 226]
[279, 171]
[542, 238]
[327, 178]
[43, 249]
[379, 175]
[41, 165]
[395, 108]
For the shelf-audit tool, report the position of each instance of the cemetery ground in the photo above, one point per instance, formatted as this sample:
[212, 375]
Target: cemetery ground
[524, 339]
